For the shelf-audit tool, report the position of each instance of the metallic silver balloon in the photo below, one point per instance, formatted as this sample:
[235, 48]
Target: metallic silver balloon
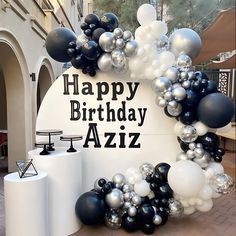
[118, 58]
[176, 208]
[188, 134]
[172, 73]
[130, 48]
[181, 156]
[107, 42]
[120, 43]
[81, 39]
[136, 200]
[115, 199]
[174, 111]
[173, 104]
[204, 160]
[127, 35]
[162, 43]
[161, 84]
[127, 188]
[119, 180]
[179, 93]
[127, 205]
[183, 76]
[192, 146]
[190, 154]
[113, 219]
[199, 152]
[104, 62]
[146, 169]
[157, 219]
[118, 33]
[199, 145]
[132, 211]
[191, 74]
[223, 184]
[127, 196]
[186, 84]
[161, 102]
[183, 61]
[185, 41]
[122, 69]
[168, 96]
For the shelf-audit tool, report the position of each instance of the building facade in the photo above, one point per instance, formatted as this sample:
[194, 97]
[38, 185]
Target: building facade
[26, 70]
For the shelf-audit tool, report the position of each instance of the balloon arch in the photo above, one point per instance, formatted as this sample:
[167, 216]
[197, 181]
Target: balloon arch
[144, 198]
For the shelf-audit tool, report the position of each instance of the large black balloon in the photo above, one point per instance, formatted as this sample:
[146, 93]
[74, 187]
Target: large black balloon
[91, 50]
[109, 22]
[164, 191]
[145, 213]
[129, 223]
[215, 110]
[210, 141]
[163, 169]
[192, 99]
[90, 208]
[57, 43]
[92, 19]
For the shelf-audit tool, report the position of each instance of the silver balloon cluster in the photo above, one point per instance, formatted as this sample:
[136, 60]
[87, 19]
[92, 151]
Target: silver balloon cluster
[113, 218]
[222, 183]
[118, 46]
[198, 154]
[176, 208]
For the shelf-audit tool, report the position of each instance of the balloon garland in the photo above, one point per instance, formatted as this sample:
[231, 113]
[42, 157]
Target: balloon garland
[144, 198]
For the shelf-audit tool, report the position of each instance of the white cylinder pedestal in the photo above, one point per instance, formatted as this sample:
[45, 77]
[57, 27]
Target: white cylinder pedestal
[26, 205]
[64, 188]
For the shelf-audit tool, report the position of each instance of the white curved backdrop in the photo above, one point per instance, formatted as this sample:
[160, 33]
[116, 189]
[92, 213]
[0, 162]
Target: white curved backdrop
[157, 139]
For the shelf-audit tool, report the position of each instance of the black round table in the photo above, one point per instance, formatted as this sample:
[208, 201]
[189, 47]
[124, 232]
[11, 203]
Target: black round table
[49, 133]
[71, 138]
[44, 146]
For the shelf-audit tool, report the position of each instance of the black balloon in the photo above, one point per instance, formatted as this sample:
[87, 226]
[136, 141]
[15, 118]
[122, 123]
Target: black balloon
[200, 75]
[79, 61]
[215, 110]
[162, 211]
[192, 98]
[129, 223]
[163, 169]
[220, 152]
[57, 43]
[157, 177]
[210, 141]
[92, 19]
[184, 146]
[145, 213]
[109, 22]
[90, 208]
[91, 50]
[187, 117]
[148, 228]
[97, 33]
[167, 113]
[101, 182]
[164, 191]
[88, 32]
[218, 158]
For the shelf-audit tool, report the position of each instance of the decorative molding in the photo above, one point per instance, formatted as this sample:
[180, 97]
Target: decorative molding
[37, 28]
[20, 4]
[39, 7]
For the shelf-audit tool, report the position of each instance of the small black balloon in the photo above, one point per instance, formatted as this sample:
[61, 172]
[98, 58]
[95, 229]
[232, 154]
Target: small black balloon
[145, 213]
[157, 177]
[184, 146]
[149, 178]
[201, 75]
[130, 224]
[79, 61]
[162, 211]
[218, 158]
[88, 32]
[211, 87]
[90, 208]
[192, 98]
[97, 33]
[164, 191]
[188, 117]
[57, 43]
[101, 182]
[91, 50]
[107, 187]
[72, 44]
[148, 228]
[84, 26]
[163, 169]
[204, 83]
[196, 86]
[220, 152]
[71, 52]
[163, 202]
[215, 110]
[210, 141]
[109, 22]
[154, 186]
[92, 19]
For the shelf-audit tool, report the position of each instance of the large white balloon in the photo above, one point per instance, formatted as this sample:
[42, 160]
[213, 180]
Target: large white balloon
[158, 28]
[186, 178]
[146, 14]
[142, 188]
[206, 206]
[224, 129]
[201, 128]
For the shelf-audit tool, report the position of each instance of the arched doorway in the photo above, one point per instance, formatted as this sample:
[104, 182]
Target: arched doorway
[14, 73]
[44, 82]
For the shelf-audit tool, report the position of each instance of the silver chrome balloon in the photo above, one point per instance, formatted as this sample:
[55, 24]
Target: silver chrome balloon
[115, 199]
[113, 219]
[186, 84]
[179, 93]
[118, 58]
[127, 35]
[132, 211]
[127, 205]
[107, 42]
[199, 145]
[146, 169]
[161, 84]
[190, 154]
[204, 160]
[184, 62]
[185, 41]
[168, 96]
[183, 76]
[172, 74]
[174, 111]
[192, 146]
[188, 134]
[136, 200]
[173, 104]
[118, 33]
[199, 152]
[181, 156]
[162, 43]
[223, 184]
[127, 196]
[104, 62]
[120, 43]
[130, 48]
[161, 102]
[157, 219]
[119, 180]
[127, 188]
[176, 208]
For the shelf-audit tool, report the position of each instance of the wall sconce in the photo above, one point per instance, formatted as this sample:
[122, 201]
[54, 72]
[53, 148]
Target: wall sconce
[33, 77]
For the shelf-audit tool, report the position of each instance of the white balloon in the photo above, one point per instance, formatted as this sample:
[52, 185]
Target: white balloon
[146, 14]
[167, 58]
[206, 192]
[201, 128]
[215, 194]
[206, 206]
[142, 188]
[186, 178]
[224, 129]
[177, 128]
[158, 28]
[189, 210]
[217, 168]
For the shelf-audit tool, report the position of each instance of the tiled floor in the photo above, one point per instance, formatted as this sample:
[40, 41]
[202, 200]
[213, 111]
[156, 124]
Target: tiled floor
[220, 221]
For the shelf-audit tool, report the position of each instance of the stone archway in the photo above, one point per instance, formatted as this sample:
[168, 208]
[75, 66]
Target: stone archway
[15, 74]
